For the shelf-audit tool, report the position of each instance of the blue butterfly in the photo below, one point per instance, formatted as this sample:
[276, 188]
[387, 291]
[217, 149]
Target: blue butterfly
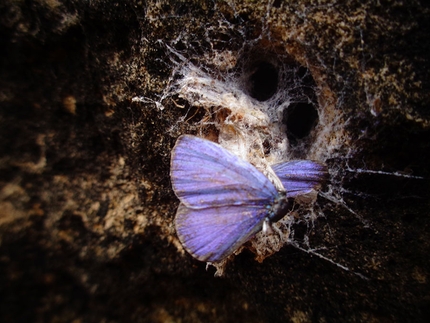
[225, 200]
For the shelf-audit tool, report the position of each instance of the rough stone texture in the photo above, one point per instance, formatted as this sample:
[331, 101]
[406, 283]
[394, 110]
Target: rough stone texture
[86, 205]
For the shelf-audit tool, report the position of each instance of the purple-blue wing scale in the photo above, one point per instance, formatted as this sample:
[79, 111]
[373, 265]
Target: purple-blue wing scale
[204, 174]
[213, 234]
[300, 177]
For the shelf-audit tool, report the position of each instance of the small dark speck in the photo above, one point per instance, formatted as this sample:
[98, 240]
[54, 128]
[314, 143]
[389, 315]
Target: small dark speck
[128, 224]
[104, 207]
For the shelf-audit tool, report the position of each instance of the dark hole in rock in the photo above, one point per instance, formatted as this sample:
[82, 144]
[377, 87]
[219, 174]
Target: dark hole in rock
[300, 118]
[277, 3]
[263, 82]
[265, 75]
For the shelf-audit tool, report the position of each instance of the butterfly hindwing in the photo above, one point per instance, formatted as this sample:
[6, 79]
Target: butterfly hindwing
[211, 234]
[206, 175]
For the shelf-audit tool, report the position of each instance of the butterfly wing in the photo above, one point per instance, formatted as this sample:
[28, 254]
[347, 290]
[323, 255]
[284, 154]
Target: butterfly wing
[212, 234]
[300, 177]
[205, 175]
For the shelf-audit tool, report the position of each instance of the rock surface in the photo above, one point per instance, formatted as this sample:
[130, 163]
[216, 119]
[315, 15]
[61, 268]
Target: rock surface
[89, 112]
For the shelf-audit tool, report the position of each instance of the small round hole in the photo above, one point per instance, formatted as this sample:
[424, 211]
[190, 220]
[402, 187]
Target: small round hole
[300, 118]
[259, 79]
[263, 82]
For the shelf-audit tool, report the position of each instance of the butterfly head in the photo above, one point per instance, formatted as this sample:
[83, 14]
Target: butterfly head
[280, 207]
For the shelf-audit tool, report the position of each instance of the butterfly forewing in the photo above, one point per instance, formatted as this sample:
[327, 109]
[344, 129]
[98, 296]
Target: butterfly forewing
[206, 175]
[300, 177]
[212, 234]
